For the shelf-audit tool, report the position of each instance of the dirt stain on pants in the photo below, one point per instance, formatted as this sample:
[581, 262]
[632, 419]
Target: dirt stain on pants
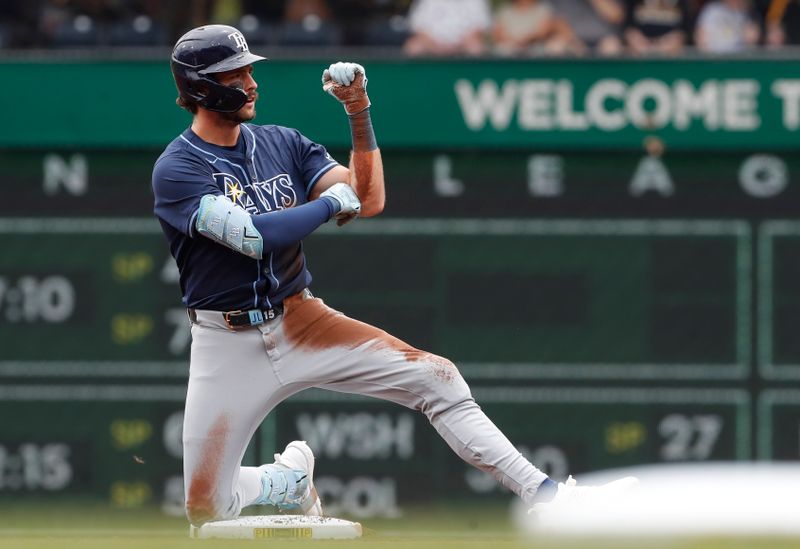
[200, 506]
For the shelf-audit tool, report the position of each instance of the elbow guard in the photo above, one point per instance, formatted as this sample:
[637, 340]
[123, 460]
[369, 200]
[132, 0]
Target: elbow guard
[223, 221]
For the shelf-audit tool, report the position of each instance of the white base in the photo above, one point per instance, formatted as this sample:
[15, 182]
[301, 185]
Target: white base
[278, 526]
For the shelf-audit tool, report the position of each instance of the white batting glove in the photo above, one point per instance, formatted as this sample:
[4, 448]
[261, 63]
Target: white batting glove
[347, 82]
[346, 197]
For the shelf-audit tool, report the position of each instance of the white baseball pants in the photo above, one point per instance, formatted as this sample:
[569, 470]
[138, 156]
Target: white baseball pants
[237, 377]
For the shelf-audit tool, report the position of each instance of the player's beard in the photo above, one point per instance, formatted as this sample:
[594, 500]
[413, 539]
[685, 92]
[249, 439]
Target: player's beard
[243, 114]
[239, 116]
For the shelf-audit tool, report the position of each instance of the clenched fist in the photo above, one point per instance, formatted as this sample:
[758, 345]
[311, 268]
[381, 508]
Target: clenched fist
[347, 82]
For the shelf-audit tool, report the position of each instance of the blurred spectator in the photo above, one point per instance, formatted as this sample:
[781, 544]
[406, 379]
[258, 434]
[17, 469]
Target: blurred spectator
[201, 12]
[656, 26]
[308, 23]
[88, 23]
[271, 11]
[227, 12]
[530, 26]
[726, 26]
[783, 23]
[299, 10]
[448, 27]
[596, 24]
[17, 19]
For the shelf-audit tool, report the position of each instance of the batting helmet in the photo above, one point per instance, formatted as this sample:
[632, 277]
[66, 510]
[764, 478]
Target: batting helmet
[199, 54]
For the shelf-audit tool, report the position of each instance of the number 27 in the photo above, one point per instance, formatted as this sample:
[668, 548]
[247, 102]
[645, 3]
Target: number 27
[689, 437]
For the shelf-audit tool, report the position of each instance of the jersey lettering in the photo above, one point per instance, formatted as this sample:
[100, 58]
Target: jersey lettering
[273, 194]
[250, 206]
[277, 193]
[283, 193]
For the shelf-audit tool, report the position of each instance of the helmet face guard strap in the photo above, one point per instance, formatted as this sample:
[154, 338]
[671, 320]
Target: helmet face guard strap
[203, 52]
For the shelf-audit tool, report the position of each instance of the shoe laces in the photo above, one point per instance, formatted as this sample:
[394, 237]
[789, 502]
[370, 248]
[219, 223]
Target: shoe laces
[303, 489]
[284, 487]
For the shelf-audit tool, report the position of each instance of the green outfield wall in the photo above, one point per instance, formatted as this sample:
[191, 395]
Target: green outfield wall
[576, 104]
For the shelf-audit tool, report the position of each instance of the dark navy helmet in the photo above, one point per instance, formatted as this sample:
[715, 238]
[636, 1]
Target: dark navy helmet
[204, 51]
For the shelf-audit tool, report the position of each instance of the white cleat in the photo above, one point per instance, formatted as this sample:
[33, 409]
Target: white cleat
[571, 497]
[299, 457]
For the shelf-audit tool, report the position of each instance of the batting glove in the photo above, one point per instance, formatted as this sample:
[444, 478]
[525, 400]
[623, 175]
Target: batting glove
[347, 82]
[347, 200]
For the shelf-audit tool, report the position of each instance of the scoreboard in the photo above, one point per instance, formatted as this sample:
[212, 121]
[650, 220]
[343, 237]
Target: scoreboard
[506, 298]
[607, 309]
[487, 183]
[124, 441]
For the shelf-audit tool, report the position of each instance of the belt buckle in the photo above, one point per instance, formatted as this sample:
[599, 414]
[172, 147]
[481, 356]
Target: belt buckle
[227, 317]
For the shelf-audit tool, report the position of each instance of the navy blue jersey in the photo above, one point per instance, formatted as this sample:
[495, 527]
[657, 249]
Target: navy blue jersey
[270, 169]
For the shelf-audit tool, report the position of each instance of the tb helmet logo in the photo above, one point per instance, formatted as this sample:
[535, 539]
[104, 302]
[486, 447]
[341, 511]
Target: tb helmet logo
[239, 40]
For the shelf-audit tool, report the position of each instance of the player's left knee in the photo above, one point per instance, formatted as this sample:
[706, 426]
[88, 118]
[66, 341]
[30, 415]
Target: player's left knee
[442, 369]
[448, 383]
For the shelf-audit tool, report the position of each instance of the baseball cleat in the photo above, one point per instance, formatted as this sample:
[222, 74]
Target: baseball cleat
[289, 482]
[298, 457]
[571, 496]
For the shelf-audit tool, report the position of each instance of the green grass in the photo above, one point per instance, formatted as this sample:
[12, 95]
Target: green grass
[72, 525]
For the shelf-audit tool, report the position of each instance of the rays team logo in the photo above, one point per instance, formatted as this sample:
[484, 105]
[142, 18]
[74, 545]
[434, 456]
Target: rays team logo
[232, 188]
[239, 40]
[270, 195]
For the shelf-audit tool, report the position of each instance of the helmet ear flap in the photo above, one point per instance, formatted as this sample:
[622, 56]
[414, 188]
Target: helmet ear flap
[198, 90]
[187, 83]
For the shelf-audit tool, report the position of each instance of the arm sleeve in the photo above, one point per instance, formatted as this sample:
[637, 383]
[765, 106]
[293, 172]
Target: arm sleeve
[178, 185]
[285, 227]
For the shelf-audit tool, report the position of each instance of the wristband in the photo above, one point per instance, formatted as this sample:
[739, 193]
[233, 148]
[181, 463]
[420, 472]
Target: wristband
[361, 132]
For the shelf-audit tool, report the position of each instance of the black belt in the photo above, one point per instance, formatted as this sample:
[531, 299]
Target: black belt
[251, 317]
[243, 319]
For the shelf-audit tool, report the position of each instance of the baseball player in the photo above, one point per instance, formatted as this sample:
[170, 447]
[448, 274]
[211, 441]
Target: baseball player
[235, 201]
